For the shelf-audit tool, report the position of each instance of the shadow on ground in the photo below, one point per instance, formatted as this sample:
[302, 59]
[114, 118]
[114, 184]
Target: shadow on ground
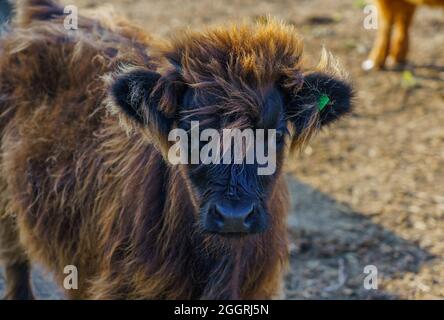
[331, 245]
[43, 286]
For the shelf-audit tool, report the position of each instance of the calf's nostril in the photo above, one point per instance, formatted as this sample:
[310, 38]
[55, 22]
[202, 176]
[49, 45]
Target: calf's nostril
[218, 216]
[250, 217]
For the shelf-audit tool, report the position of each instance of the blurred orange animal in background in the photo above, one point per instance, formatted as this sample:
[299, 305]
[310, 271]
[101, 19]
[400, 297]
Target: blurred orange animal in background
[397, 15]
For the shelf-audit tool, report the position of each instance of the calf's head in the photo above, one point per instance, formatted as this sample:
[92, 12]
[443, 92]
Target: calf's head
[247, 78]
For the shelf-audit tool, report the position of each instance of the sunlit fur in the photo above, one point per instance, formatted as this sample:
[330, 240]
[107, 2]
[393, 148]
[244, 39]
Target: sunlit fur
[392, 41]
[84, 192]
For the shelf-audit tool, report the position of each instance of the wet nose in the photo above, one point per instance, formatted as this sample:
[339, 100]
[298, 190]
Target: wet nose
[234, 216]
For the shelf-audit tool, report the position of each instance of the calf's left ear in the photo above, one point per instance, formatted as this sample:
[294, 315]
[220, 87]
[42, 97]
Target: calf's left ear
[321, 100]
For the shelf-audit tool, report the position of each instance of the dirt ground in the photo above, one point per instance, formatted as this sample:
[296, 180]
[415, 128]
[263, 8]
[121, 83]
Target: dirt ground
[370, 189]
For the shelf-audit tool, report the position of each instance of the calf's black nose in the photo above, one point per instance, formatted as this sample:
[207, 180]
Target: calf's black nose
[234, 216]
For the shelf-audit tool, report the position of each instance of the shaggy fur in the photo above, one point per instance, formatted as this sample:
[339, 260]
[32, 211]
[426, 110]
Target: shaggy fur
[394, 15]
[79, 190]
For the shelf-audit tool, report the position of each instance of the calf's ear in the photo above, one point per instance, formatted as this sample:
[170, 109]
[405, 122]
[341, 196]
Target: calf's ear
[321, 100]
[147, 100]
[133, 93]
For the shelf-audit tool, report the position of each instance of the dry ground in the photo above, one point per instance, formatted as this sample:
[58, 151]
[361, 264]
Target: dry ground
[369, 190]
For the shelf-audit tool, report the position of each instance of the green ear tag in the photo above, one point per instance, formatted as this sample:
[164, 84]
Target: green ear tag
[324, 100]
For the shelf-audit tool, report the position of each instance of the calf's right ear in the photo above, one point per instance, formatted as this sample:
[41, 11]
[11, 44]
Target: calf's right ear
[147, 100]
[137, 94]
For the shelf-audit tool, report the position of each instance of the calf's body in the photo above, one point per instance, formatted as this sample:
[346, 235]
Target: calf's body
[82, 192]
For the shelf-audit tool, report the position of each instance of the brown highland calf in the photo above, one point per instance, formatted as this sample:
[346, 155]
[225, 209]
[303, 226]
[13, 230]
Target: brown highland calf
[397, 15]
[85, 116]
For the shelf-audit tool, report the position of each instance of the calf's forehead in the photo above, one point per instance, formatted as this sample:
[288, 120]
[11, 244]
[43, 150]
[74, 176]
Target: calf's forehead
[252, 108]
